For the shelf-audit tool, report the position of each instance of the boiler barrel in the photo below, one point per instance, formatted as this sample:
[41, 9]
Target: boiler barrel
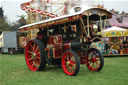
[76, 45]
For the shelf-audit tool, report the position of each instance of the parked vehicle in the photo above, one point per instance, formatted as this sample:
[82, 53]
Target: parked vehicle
[11, 42]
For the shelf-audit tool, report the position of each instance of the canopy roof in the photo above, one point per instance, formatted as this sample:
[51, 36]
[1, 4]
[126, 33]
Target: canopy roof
[93, 13]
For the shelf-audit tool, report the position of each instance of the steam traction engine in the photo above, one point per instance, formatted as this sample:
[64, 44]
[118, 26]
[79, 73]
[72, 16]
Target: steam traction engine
[65, 41]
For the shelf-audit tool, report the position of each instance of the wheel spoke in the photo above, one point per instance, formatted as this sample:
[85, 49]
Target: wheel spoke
[67, 57]
[36, 49]
[30, 59]
[72, 62]
[97, 64]
[32, 65]
[92, 65]
[36, 64]
[74, 66]
[30, 52]
[34, 46]
[31, 47]
[71, 69]
[98, 59]
[71, 57]
[38, 58]
[38, 53]
[67, 66]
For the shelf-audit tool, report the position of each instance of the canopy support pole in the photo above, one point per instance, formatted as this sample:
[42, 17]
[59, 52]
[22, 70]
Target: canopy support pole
[88, 24]
[101, 24]
[84, 28]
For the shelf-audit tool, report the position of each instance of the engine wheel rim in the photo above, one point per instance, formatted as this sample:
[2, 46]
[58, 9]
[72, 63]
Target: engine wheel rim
[32, 56]
[69, 63]
[93, 61]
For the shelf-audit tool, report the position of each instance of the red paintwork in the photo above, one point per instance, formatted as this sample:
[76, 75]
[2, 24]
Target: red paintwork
[57, 52]
[83, 57]
[67, 45]
[56, 42]
[55, 39]
[82, 60]
[68, 64]
[32, 63]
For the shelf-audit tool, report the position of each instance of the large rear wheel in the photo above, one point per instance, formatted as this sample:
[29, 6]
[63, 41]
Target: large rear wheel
[95, 60]
[70, 63]
[35, 55]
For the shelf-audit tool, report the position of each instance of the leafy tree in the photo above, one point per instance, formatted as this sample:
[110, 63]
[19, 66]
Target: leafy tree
[15, 25]
[22, 20]
[1, 12]
[4, 26]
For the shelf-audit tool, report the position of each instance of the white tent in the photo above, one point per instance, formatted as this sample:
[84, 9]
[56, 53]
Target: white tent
[113, 32]
[114, 28]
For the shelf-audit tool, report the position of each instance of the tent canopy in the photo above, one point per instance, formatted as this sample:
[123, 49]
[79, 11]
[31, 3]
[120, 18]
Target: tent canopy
[114, 28]
[114, 32]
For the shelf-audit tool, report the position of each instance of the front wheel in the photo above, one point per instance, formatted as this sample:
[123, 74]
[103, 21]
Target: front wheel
[70, 63]
[35, 55]
[95, 60]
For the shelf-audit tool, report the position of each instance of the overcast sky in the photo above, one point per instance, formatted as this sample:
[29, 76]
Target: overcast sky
[12, 7]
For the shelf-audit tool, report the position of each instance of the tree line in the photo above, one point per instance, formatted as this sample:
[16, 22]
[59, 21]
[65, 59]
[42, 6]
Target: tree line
[6, 26]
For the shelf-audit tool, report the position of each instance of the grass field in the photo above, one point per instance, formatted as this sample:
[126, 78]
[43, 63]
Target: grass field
[13, 71]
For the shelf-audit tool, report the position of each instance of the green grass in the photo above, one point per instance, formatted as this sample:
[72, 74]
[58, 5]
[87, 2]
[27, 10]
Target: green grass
[13, 71]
